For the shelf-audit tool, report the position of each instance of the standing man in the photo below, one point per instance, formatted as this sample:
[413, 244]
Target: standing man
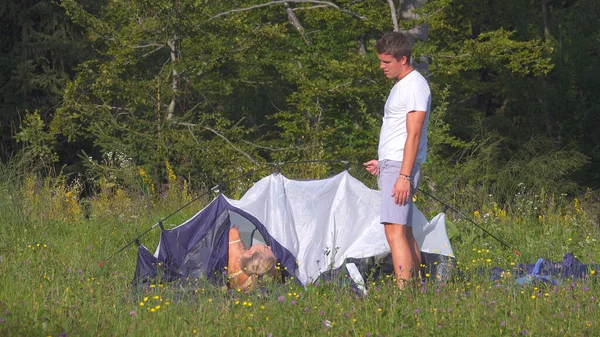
[402, 148]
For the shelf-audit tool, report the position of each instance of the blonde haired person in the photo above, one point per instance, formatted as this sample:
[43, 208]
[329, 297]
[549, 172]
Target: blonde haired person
[246, 265]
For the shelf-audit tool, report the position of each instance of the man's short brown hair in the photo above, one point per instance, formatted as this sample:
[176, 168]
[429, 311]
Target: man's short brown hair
[395, 44]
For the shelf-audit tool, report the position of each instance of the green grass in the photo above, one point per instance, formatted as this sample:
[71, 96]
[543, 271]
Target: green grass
[51, 284]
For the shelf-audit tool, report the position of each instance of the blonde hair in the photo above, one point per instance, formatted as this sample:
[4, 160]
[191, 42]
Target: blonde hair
[256, 265]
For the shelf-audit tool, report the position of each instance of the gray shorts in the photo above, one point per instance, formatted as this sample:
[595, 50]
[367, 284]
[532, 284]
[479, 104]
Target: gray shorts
[391, 213]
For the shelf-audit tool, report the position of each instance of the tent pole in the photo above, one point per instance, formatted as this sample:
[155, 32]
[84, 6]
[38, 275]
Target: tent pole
[160, 223]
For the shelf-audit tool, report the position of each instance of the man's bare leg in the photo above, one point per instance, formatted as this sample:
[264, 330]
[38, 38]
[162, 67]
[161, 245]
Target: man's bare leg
[402, 245]
[416, 253]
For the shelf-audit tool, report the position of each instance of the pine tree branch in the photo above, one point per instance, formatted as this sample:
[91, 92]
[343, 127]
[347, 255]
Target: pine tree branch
[274, 149]
[326, 3]
[354, 14]
[245, 154]
[148, 45]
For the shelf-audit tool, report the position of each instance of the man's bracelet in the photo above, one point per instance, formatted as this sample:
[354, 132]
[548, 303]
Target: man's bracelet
[404, 176]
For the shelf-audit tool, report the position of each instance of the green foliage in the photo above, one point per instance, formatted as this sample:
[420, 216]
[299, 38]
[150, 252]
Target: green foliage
[33, 133]
[485, 170]
[40, 46]
[513, 80]
[513, 130]
[219, 88]
[231, 78]
[439, 172]
[51, 284]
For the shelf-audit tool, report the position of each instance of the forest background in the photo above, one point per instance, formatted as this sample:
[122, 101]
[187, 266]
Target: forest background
[107, 92]
[115, 113]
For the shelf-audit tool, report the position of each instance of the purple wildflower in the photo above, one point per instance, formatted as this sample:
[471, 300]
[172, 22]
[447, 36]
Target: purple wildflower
[417, 311]
[281, 298]
[293, 302]
[132, 312]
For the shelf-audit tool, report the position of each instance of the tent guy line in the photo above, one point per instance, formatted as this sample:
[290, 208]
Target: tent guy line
[276, 168]
[217, 187]
[506, 245]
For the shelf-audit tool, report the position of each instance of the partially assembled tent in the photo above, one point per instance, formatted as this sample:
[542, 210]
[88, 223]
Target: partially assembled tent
[312, 226]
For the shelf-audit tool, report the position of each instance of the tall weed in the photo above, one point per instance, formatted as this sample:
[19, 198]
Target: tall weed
[51, 283]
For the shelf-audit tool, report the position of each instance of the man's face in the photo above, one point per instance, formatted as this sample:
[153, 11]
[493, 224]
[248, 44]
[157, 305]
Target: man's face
[391, 67]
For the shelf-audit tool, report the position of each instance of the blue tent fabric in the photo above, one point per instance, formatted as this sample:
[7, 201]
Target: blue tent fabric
[546, 271]
[198, 248]
[149, 267]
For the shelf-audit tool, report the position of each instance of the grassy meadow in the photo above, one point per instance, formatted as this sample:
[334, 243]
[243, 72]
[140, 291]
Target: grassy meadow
[51, 283]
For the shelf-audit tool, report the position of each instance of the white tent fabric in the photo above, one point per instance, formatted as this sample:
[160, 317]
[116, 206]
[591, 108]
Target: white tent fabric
[323, 222]
[431, 236]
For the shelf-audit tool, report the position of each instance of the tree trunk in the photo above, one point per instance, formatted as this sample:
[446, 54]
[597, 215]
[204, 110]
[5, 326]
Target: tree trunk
[393, 15]
[173, 45]
[362, 48]
[296, 22]
[545, 19]
[416, 33]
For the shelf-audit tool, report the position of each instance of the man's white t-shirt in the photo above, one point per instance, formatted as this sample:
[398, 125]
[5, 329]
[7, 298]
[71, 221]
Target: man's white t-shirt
[411, 93]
